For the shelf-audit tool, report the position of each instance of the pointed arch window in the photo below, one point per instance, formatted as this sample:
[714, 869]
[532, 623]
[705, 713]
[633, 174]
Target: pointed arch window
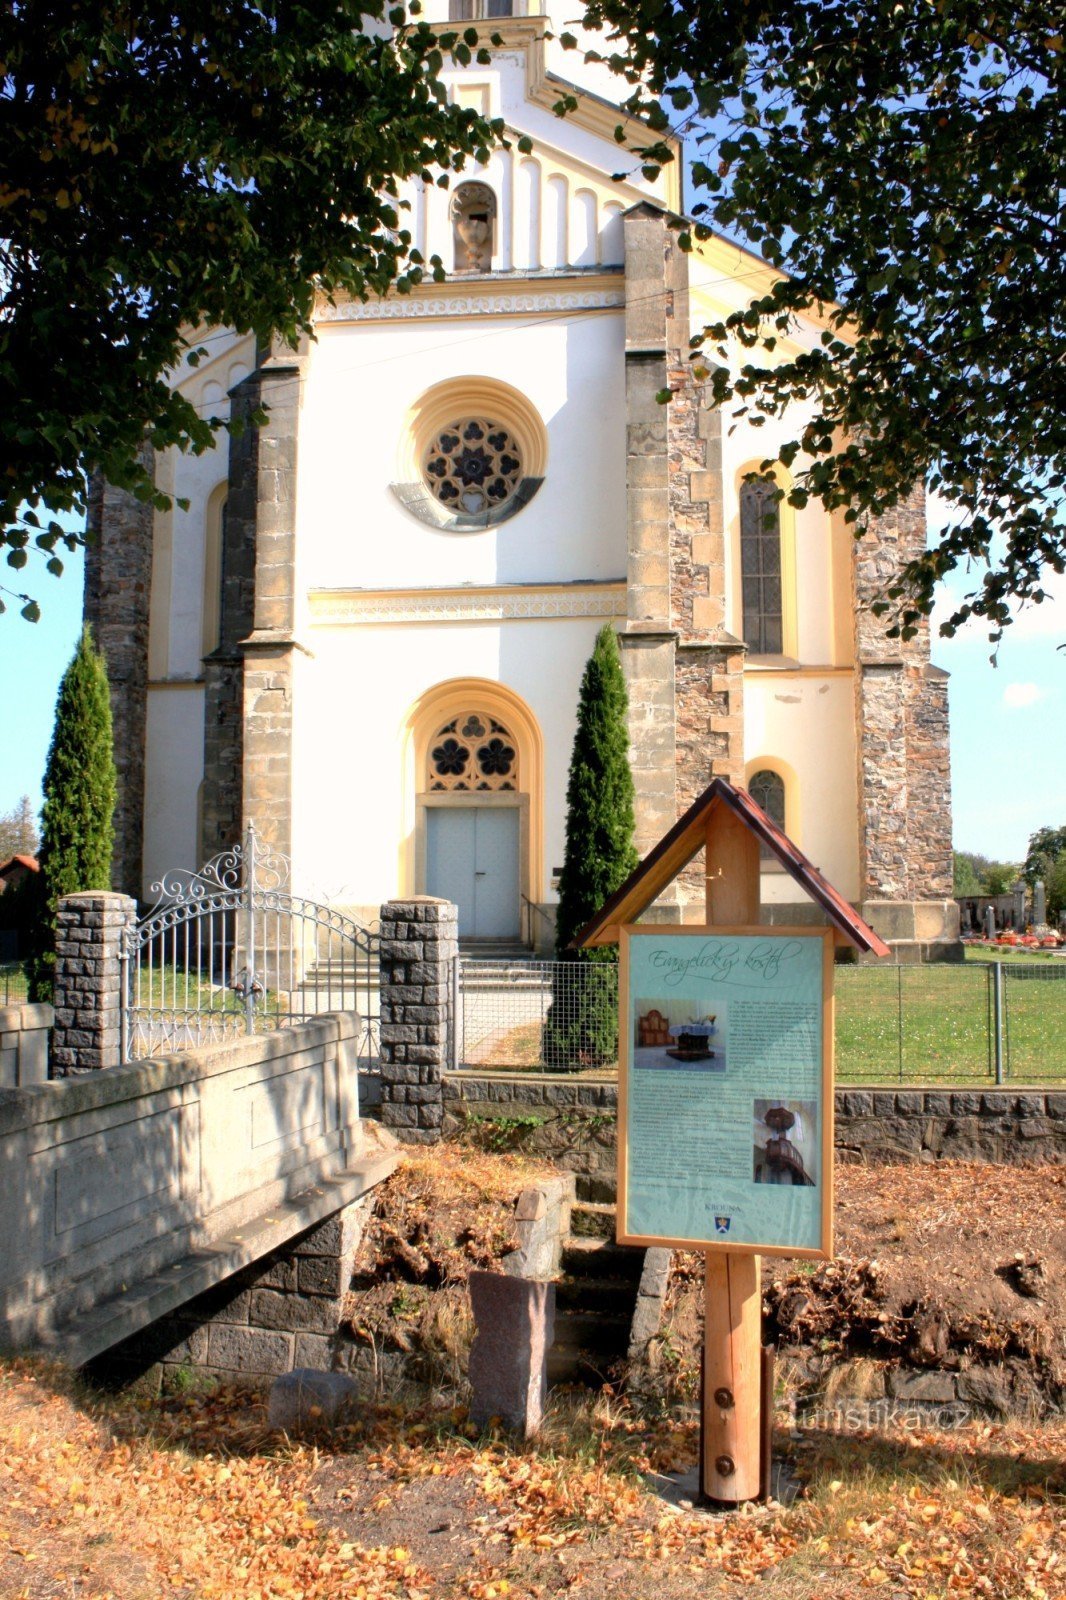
[761, 567]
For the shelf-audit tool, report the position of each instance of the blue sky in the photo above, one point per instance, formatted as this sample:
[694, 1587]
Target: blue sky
[1008, 722]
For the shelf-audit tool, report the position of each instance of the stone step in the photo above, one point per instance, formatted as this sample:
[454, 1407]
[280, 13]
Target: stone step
[603, 1296]
[606, 1336]
[599, 1187]
[570, 1365]
[602, 1258]
[592, 1219]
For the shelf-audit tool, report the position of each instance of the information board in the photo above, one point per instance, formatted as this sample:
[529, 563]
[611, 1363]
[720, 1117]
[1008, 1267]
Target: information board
[726, 1089]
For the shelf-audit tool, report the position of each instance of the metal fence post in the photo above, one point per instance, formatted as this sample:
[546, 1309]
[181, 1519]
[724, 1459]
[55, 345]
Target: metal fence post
[899, 1014]
[997, 1017]
[456, 1001]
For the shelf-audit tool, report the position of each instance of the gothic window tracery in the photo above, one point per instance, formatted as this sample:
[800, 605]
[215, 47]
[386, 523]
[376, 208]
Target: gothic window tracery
[473, 465]
[472, 753]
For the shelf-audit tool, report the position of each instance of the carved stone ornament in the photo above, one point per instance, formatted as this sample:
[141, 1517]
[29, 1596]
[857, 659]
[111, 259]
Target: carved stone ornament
[473, 217]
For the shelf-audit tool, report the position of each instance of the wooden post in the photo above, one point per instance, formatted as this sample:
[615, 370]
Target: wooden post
[730, 1431]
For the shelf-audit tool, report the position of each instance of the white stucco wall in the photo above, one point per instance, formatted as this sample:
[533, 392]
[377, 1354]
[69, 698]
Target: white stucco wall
[354, 805]
[363, 379]
[807, 722]
[174, 768]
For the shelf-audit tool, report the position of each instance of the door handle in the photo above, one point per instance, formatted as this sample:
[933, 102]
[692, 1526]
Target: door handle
[481, 874]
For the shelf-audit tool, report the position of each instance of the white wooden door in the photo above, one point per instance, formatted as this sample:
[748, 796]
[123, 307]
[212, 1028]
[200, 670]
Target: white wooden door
[472, 857]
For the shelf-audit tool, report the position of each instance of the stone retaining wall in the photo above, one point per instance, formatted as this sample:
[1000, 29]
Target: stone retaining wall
[286, 1310]
[112, 1178]
[279, 1314]
[24, 1045]
[573, 1121]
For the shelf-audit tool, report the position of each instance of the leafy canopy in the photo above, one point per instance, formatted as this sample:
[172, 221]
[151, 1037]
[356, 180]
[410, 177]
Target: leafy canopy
[905, 166]
[166, 168]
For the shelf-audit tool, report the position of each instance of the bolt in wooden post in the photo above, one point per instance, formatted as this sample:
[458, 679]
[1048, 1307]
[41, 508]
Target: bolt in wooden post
[732, 1356]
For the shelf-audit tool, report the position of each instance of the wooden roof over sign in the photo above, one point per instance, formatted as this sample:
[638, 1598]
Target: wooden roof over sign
[688, 836]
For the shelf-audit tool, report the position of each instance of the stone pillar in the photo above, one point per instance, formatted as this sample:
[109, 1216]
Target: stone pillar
[904, 778]
[224, 667]
[118, 581]
[647, 643]
[684, 671]
[416, 954]
[248, 715]
[89, 928]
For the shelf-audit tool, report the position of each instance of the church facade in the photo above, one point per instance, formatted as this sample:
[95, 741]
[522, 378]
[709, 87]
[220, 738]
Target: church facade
[365, 631]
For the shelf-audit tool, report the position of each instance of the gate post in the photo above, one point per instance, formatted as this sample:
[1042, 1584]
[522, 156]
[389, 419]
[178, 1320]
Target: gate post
[419, 941]
[88, 987]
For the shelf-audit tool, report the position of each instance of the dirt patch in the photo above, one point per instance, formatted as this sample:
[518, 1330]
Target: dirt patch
[444, 1213]
[941, 1266]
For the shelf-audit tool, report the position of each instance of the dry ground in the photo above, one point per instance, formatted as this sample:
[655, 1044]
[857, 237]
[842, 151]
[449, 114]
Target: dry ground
[193, 1497]
[190, 1496]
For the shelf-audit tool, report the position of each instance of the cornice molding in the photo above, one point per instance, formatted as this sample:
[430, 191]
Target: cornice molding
[418, 307]
[510, 603]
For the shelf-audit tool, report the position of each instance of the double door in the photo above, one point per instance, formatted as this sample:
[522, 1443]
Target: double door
[472, 857]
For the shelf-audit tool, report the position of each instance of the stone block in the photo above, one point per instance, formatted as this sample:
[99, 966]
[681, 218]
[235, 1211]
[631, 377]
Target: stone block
[254, 1351]
[306, 1399]
[339, 1235]
[292, 1312]
[515, 1321]
[279, 1274]
[323, 1275]
[314, 1350]
[934, 1387]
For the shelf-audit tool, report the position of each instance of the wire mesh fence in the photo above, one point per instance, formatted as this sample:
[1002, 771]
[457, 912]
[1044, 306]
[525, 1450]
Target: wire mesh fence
[894, 1024]
[537, 1016]
[13, 987]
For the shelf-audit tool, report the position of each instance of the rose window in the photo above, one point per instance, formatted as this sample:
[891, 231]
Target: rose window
[473, 466]
[473, 753]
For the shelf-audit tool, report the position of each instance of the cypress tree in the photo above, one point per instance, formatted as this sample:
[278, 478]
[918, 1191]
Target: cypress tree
[77, 833]
[581, 1028]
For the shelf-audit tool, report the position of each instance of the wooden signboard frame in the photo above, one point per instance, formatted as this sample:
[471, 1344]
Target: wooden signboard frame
[824, 1250]
[732, 830]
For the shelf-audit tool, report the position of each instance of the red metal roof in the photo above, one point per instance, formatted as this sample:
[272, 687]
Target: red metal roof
[673, 846]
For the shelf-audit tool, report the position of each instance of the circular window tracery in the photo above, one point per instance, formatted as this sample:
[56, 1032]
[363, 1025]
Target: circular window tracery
[473, 753]
[473, 465]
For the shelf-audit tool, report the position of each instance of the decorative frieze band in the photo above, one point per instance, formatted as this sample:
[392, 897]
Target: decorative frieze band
[468, 605]
[418, 307]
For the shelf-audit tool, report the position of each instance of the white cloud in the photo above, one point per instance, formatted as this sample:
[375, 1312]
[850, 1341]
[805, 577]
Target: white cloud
[1018, 695]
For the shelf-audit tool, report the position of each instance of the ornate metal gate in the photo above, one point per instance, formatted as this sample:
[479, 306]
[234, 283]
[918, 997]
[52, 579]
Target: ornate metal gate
[230, 949]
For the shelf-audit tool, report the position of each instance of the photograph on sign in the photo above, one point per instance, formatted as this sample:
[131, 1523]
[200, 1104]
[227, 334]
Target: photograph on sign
[726, 1088]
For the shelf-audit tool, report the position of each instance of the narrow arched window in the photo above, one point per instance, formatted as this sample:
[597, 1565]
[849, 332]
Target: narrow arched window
[767, 789]
[760, 567]
[214, 567]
